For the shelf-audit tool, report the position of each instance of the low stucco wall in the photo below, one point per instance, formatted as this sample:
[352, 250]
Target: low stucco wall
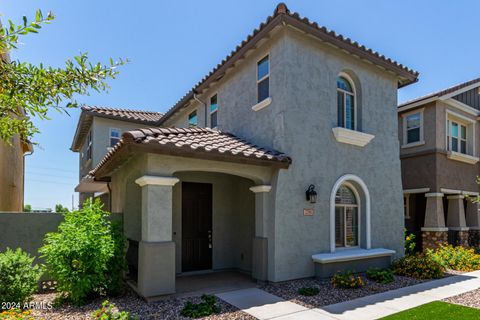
[27, 230]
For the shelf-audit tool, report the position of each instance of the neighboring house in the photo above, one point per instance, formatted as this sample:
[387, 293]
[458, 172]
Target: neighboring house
[439, 153]
[195, 198]
[98, 130]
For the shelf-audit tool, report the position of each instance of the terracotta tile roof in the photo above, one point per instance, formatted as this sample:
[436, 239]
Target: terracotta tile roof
[283, 15]
[441, 92]
[124, 114]
[204, 142]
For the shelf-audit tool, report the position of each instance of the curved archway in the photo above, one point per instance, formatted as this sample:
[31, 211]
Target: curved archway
[357, 183]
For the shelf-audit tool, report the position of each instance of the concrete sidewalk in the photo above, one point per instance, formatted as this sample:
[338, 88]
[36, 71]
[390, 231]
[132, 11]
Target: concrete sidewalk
[263, 305]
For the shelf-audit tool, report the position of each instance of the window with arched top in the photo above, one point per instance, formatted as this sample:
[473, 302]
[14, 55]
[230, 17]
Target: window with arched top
[346, 217]
[346, 103]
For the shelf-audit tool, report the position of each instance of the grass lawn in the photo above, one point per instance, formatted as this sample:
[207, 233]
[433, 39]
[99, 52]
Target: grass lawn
[439, 311]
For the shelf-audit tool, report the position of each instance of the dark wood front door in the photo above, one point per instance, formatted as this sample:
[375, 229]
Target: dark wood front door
[196, 226]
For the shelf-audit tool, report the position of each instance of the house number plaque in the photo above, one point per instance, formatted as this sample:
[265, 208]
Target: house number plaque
[308, 212]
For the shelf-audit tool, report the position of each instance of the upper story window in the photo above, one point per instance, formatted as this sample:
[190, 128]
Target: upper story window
[346, 103]
[192, 119]
[346, 218]
[263, 77]
[114, 136]
[413, 128]
[89, 146]
[213, 112]
[457, 136]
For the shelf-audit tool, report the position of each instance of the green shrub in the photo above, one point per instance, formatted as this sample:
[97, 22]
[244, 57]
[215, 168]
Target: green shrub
[418, 266]
[308, 291]
[347, 280]
[86, 255]
[456, 258]
[380, 275]
[203, 309]
[409, 243]
[18, 276]
[108, 312]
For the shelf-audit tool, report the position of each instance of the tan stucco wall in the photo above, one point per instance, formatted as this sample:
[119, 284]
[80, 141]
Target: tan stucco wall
[11, 176]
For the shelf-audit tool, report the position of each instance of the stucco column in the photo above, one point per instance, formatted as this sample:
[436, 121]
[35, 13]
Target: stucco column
[456, 222]
[434, 230]
[473, 222]
[260, 241]
[156, 251]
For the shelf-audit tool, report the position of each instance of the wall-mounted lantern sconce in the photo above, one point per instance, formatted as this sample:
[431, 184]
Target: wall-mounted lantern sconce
[311, 194]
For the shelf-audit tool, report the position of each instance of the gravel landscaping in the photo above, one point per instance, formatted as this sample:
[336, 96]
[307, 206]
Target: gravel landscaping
[164, 309]
[468, 299]
[329, 294]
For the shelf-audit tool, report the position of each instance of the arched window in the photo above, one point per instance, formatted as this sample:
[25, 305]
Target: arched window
[346, 217]
[346, 103]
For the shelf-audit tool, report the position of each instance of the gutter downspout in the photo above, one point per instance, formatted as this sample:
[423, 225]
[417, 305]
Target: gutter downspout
[204, 105]
[29, 153]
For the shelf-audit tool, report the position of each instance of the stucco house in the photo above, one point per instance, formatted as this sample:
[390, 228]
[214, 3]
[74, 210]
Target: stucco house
[440, 163]
[283, 163]
[98, 130]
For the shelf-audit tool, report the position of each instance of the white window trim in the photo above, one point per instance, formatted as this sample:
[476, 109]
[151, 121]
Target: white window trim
[110, 136]
[407, 205]
[356, 138]
[263, 78]
[352, 84]
[212, 112]
[262, 104]
[350, 178]
[470, 124]
[404, 126]
[358, 205]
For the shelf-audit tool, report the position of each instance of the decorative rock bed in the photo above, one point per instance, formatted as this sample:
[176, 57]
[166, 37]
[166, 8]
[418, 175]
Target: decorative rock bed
[468, 299]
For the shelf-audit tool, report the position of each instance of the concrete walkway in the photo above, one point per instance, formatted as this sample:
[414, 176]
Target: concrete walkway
[263, 305]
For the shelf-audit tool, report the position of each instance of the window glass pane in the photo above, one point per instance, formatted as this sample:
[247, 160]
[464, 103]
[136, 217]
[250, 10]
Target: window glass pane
[413, 135]
[213, 119]
[454, 129]
[192, 118]
[349, 112]
[262, 68]
[413, 121]
[113, 141]
[454, 144]
[339, 228]
[343, 84]
[213, 103]
[463, 132]
[463, 146]
[351, 226]
[115, 133]
[263, 90]
[345, 196]
[340, 106]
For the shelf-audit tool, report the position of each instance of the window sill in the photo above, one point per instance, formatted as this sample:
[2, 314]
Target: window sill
[351, 255]
[262, 104]
[462, 157]
[413, 144]
[352, 137]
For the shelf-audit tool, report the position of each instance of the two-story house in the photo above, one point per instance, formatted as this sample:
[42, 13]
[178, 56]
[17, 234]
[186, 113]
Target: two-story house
[439, 155]
[283, 162]
[98, 130]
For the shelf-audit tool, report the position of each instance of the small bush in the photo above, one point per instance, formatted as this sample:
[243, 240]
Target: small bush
[418, 266]
[86, 255]
[380, 275]
[109, 312]
[308, 291]
[16, 314]
[347, 280]
[456, 258]
[18, 276]
[409, 243]
[197, 310]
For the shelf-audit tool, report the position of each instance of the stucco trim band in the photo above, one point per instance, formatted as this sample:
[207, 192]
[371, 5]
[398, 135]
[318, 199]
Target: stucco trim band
[458, 228]
[353, 137]
[434, 229]
[434, 194]
[462, 157]
[353, 254]
[261, 188]
[262, 104]
[419, 190]
[456, 196]
[156, 181]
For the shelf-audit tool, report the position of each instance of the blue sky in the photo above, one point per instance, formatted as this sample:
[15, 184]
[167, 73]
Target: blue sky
[173, 44]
